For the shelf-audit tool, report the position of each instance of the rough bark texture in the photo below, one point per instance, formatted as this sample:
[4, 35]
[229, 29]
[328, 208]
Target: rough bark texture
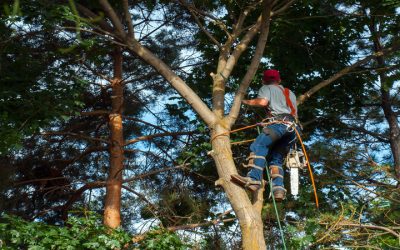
[249, 215]
[386, 104]
[112, 206]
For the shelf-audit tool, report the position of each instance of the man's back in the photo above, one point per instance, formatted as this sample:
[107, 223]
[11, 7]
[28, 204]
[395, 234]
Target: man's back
[276, 99]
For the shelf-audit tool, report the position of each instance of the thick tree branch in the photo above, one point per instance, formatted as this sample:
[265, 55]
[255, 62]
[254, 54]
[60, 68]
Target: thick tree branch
[88, 13]
[319, 86]
[240, 48]
[177, 83]
[108, 9]
[237, 28]
[262, 40]
[128, 19]
[281, 8]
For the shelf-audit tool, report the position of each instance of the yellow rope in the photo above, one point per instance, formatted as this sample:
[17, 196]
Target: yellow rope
[309, 167]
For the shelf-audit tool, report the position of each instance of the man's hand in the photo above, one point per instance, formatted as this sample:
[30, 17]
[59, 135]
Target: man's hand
[258, 102]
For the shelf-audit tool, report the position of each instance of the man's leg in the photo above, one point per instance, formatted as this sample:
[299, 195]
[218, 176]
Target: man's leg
[276, 158]
[259, 149]
[277, 173]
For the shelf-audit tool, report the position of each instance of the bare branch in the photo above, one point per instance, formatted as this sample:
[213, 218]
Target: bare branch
[88, 13]
[154, 172]
[88, 138]
[363, 187]
[313, 90]
[150, 137]
[140, 237]
[379, 137]
[114, 18]
[128, 19]
[177, 83]
[95, 113]
[369, 226]
[214, 19]
[78, 193]
[97, 72]
[240, 48]
[201, 26]
[281, 9]
[262, 40]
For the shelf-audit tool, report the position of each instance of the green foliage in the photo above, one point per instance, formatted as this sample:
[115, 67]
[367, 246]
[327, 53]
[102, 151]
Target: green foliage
[158, 239]
[391, 3]
[36, 84]
[78, 233]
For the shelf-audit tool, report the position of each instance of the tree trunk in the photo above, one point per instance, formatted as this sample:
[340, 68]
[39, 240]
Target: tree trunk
[394, 130]
[248, 214]
[386, 104]
[112, 204]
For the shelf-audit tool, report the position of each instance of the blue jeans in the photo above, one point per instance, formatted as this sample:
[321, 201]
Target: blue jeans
[273, 150]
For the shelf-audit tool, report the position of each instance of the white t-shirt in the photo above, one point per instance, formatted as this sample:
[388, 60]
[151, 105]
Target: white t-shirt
[276, 99]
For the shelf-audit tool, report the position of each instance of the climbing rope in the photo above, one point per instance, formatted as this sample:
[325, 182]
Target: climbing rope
[276, 211]
[308, 165]
[274, 202]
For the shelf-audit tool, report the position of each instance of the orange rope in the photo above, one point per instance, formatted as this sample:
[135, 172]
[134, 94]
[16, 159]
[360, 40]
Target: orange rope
[240, 142]
[235, 130]
[246, 127]
[309, 167]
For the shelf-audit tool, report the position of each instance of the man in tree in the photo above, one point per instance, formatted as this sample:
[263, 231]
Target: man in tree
[274, 143]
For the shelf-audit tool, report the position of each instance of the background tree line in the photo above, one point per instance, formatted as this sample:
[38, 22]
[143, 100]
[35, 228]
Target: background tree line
[114, 107]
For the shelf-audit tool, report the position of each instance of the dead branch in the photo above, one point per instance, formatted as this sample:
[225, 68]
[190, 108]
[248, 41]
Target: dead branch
[150, 137]
[81, 136]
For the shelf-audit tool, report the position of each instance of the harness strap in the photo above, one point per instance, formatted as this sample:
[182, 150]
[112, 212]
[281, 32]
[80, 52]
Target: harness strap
[278, 188]
[253, 166]
[253, 156]
[273, 176]
[286, 93]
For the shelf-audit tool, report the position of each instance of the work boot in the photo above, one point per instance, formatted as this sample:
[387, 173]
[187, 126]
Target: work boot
[246, 182]
[279, 193]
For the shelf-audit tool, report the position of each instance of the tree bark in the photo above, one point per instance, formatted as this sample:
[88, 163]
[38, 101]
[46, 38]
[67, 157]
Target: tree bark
[386, 104]
[112, 204]
[249, 215]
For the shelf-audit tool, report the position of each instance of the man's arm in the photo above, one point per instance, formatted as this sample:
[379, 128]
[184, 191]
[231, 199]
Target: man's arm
[258, 102]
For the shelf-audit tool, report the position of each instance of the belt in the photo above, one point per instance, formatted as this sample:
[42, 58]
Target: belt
[285, 117]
